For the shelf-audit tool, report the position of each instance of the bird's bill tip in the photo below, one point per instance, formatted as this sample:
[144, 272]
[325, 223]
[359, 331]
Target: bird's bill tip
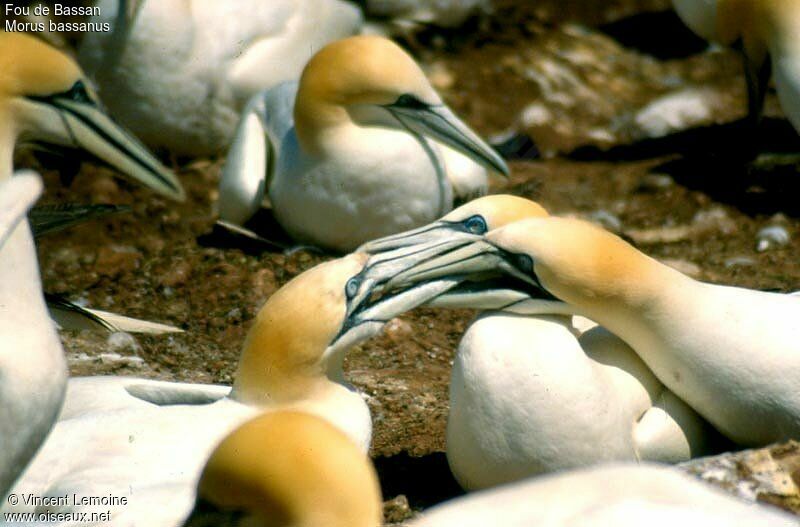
[441, 124]
[89, 128]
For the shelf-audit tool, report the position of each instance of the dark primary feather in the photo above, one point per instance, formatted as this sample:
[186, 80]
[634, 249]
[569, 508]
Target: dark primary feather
[47, 219]
[62, 309]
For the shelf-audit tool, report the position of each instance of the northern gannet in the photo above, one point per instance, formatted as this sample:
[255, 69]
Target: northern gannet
[732, 354]
[178, 72]
[147, 441]
[616, 495]
[292, 469]
[514, 374]
[45, 99]
[767, 31]
[32, 365]
[361, 157]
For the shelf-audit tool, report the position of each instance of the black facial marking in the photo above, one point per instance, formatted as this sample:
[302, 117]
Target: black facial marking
[409, 101]
[79, 94]
[523, 262]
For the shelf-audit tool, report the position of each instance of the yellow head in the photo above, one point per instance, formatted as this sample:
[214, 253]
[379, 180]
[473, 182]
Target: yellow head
[291, 469]
[578, 262]
[369, 81]
[28, 67]
[299, 338]
[364, 70]
[45, 98]
[350, 80]
[285, 350]
[541, 265]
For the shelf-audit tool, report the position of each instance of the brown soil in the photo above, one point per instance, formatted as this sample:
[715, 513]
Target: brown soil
[683, 199]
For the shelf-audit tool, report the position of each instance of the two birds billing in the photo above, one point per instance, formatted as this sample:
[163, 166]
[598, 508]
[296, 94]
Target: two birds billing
[292, 362]
[360, 148]
[513, 374]
[693, 353]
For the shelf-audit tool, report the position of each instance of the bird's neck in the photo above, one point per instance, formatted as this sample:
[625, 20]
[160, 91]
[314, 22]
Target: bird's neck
[631, 299]
[264, 379]
[316, 120]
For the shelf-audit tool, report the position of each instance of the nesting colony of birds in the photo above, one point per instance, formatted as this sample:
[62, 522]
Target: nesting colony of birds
[333, 263]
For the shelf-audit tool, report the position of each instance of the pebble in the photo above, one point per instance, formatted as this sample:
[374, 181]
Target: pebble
[397, 509]
[771, 237]
[117, 259]
[121, 341]
[398, 330]
[440, 76]
[714, 219]
[607, 220]
[739, 261]
[178, 274]
[535, 114]
[676, 111]
[684, 266]
[116, 358]
[766, 474]
[105, 190]
[656, 182]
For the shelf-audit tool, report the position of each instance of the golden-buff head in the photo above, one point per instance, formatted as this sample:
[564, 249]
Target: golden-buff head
[293, 469]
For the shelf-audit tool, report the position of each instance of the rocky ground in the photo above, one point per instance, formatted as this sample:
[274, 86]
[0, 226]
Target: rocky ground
[636, 125]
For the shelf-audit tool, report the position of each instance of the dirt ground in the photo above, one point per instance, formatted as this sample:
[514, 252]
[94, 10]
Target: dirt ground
[691, 198]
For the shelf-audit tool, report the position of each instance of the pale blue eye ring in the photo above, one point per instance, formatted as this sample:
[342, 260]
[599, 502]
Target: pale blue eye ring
[476, 225]
[351, 287]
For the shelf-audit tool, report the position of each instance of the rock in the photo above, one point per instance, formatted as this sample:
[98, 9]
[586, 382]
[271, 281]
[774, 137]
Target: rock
[674, 112]
[684, 266]
[771, 237]
[177, 275]
[263, 283]
[607, 220]
[105, 190]
[440, 76]
[398, 330]
[656, 182]
[714, 219]
[115, 260]
[660, 235]
[768, 474]
[397, 509]
[739, 261]
[711, 221]
[121, 341]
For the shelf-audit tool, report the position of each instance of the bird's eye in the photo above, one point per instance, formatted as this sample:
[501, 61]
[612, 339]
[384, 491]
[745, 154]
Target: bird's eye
[351, 287]
[476, 225]
[78, 93]
[409, 101]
